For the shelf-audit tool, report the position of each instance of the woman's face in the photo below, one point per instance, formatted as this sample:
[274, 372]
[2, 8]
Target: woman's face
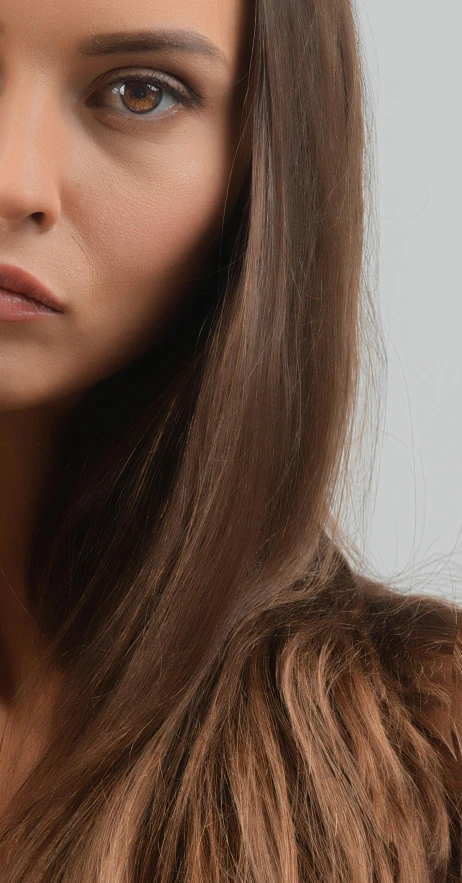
[111, 189]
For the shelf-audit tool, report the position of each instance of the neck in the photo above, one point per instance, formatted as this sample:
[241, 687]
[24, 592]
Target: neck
[27, 443]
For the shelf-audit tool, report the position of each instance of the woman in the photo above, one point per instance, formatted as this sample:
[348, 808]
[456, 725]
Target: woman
[196, 684]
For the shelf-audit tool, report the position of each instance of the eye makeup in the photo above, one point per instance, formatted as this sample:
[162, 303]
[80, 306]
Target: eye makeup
[138, 92]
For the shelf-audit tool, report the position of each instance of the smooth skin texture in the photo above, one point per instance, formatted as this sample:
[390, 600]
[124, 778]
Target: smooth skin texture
[112, 209]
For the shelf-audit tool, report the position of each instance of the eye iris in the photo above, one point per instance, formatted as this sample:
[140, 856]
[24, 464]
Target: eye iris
[141, 95]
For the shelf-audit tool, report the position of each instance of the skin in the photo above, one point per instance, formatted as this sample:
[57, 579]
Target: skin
[115, 215]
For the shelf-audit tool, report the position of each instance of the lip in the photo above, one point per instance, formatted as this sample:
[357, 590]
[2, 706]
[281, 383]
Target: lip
[21, 282]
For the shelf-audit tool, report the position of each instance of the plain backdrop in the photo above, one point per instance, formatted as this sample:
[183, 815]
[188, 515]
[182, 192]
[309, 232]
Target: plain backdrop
[415, 71]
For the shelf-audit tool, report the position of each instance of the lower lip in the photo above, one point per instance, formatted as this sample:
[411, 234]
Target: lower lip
[18, 308]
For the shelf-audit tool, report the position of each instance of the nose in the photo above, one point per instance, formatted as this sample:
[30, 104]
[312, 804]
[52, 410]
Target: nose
[28, 186]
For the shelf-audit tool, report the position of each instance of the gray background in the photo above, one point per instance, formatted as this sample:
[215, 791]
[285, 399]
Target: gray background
[414, 56]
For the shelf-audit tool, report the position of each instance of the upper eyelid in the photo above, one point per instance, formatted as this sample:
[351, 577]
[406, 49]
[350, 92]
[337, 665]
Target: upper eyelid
[120, 76]
[126, 72]
[171, 80]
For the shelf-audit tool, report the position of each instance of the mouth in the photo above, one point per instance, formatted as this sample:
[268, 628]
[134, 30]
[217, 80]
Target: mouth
[16, 281]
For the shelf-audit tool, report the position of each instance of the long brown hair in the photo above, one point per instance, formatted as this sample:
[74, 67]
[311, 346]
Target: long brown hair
[238, 704]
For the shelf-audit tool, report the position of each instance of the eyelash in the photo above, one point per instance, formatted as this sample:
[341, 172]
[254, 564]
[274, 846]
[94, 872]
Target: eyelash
[184, 96]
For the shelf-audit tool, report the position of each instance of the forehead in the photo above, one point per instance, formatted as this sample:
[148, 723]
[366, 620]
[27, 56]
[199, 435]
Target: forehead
[47, 25]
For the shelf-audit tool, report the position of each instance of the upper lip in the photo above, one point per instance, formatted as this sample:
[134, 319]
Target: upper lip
[21, 282]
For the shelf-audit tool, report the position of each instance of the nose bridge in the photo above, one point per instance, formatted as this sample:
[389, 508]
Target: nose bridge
[29, 144]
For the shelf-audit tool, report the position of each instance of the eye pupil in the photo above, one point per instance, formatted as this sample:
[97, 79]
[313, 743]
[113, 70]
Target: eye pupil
[139, 92]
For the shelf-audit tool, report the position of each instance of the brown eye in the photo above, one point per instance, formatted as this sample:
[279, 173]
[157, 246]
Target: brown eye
[139, 96]
[142, 95]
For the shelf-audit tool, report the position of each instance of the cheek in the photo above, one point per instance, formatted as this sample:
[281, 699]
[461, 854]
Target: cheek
[147, 238]
[154, 206]
[135, 229]
[159, 226]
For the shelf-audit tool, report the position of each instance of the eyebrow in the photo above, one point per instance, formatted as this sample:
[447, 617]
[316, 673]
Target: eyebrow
[151, 41]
